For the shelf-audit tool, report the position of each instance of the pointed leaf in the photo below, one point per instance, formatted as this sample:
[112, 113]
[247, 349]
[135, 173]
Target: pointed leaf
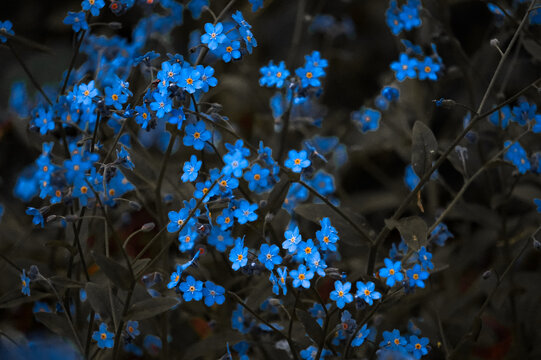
[310, 325]
[15, 297]
[412, 229]
[98, 296]
[151, 307]
[118, 274]
[65, 282]
[423, 149]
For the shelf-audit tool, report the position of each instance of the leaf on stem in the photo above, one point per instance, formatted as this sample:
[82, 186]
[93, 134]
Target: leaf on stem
[424, 148]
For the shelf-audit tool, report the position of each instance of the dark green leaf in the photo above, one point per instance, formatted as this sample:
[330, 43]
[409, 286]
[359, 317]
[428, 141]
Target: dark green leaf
[61, 244]
[213, 346]
[423, 148]
[346, 232]
[56, 323]
[310, 325]
[65, 282]
[118, 274]
[277, 196]
[98, 296]
[151, 307]
[413, 229]
[533, 48]
[15, 298]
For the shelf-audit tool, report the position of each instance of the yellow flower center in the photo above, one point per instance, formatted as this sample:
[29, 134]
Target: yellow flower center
[84, 189]
[309, 75]
[367, 292]
[86, 93]
[103, 336]
[427, 69]
[229, 49]
[391, 271]
[114, 97]
[239, 257]
[297, 161]
[189, 81]
[301, 277]
[340, 293]
[415, 276]
[192, 288]
[196, 135]
[257, 177]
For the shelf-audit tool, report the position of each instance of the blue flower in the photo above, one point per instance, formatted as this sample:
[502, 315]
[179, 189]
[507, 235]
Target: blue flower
[25, 283]
[297, 160]
[175, 277]
[132, 329]
[196, 6]
[44, 121]
[292, 239]
[37, 216]
[192, 289]
[196, 135]
[5, 26]
[301, 277]
[115, 97]
[249, 39]
[77, 20]
[191, 169]
[238, 255]
[93, 5]
[425, 259]
[327, 236]
[524, 112]
[317, 264]
[417, 276]
[268, 256]
[440, 234]
[123, 158]
[220, 239]
[391, 271]
[310, 353]
[282, 276]
[234, 163]
[390, 93]
[161, 105]
[428, 69]
[361, 336]
[257, 177]
[310, 75]
[366, 292]
[187, 239]
[518, 156]
[177, 219]
[103, 337]
[417, 346]
[239, 19]
[404, 68]
[225, 220]
[410, 17]
[273, 75]
[207, 77]
[306, 249]
[213, 294]
[177, 117]
[231, 51]
[393, 340]
[245, 212]
[410, 178]
[256, 4]
[214, 36]
[341, 294]
[190, 80]
[143, 117]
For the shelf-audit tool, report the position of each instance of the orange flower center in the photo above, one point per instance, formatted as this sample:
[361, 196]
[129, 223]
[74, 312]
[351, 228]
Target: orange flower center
[257, 177]
[309, 75]
[196, 135]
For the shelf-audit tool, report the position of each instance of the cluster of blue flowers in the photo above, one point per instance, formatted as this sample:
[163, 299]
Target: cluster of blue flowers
[229, 206]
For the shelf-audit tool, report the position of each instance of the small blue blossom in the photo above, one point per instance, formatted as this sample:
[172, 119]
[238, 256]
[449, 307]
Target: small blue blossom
[213, 36]
[268, 256]
[177, 219]
[192, 289]
[404, 67]
[132, 329]
[175, 277]
[517, 155]
[93, 5]
[393, 340]
[191, 169]
[301, 277]
[341, 294]
[190, 80]
[310, 75]
[207, 77]
[245, 212]
[391, 271]
[196, 135]
[417, 347]
[361, 336]
[37, 216]
[161, 105]
[6, 27]
[25, 283]
[327, 236]
[367, 119]
[366, 292]
[297, 160]
[428, 69]
[103, 337]
[292, 239]
[177, 117]
[238, 255]
[231, 51]
[44, 121]
[425, 258]
[77, 20]
[213, 294]
[417, 276]
[143, 117]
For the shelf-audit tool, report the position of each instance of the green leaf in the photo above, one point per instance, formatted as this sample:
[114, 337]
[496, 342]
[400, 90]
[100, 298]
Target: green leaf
[98, 296]
[346, 232]
[61, 244]
[56, 323]
[277, 195]
[151, 307]
[15, 297]
[65, 282]
[310, 325]
[118, 274]
[413, 229]
[423, 148]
